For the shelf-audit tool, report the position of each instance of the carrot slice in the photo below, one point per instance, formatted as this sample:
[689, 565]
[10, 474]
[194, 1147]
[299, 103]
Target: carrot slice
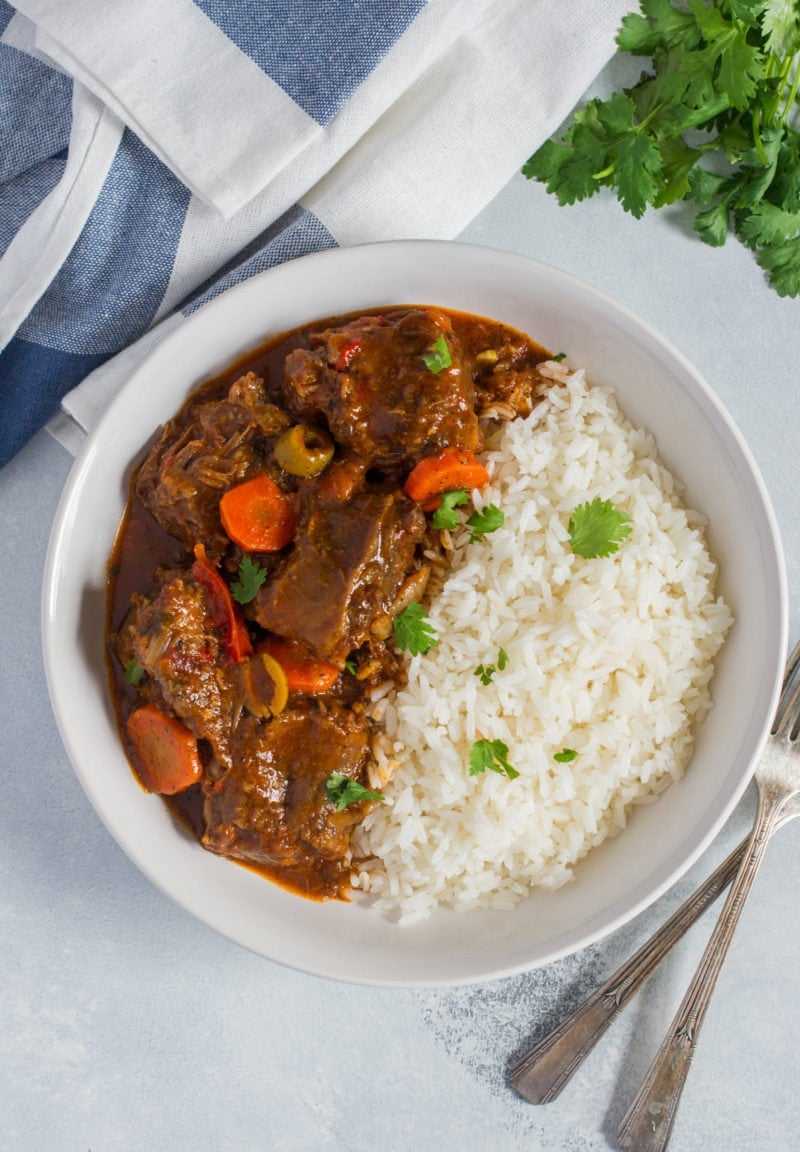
[167, 752]
[303, 673]
[225, 616]
[257, 516]
[450, 468]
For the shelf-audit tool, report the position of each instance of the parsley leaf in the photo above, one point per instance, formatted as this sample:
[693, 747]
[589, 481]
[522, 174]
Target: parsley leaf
[598, 528]
[492, 754]
[133, 671]
[565, 755]
[438, 357]
[445, 515]
[489, 519]
[413, 630]
[251, 577]
[342, 791]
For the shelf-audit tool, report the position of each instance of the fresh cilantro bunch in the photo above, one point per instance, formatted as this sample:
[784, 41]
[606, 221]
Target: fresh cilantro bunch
[712, 122]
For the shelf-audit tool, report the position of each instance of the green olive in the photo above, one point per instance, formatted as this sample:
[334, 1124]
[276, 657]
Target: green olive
[303, 450]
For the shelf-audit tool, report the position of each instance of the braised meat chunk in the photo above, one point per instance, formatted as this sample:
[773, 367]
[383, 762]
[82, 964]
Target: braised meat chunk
[171, 640]
[193, 462]
[349, 561]
[271, 807]
[369, 380]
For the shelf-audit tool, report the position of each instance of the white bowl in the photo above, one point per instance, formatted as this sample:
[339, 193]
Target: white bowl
[698, 442]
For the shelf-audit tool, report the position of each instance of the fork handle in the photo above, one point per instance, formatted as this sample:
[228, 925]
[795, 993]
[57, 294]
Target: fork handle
[541, 1074]
[647, 1124]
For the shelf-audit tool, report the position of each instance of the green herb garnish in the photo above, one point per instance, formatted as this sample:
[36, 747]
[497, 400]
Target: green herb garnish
[492, 754]
[559, 356]
[445, 515]
[251, 576]
[598, 528]
[711, 122]
[413, 630]
[438, 357]
[350, 666]
[489, 519]
[342, 791]
[486, 671]
[133, 671]
[565, 755]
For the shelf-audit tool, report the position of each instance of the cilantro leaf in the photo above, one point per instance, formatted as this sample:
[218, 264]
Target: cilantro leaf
[659, 24]
[445, 515]
[133, 671]
[502, 659]
[342, 791]
[351, 667]
[712, 225]
[565, 755]
[438, 357]
[413, 630]
[782, 262]
[251, 577]
[559, 356]
[486, 673]
[492, 754]
[489, 519]
[779, 23]
[598, 528]
[768, 224]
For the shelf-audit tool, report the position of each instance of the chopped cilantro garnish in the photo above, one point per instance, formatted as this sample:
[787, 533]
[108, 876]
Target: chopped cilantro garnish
[445, 515]
[133, 671]
[438, 357]
[565, 755]
[492, 754]
[251, 577]
[486, 671]
[342, 791]
[489, 519]
[413, 630]
[559, 356]
[351, 667]
[598, 528]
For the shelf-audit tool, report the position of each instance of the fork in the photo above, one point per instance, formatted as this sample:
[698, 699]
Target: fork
[541, 1073]
[647, 1124]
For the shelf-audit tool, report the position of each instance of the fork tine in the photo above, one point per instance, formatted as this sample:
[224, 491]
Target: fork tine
[786, 714]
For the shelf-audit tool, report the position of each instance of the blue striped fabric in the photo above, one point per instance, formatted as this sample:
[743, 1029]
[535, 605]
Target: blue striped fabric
[111, 285]
[319, 52]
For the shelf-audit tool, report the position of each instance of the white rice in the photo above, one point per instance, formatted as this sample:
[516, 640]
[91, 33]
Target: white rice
[610, 657]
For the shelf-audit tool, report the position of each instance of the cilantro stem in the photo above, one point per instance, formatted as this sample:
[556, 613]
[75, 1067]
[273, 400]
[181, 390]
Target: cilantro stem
[790, 99]
[762, 155]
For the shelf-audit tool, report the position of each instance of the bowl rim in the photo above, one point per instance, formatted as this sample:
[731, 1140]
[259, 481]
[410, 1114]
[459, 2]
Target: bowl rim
[174, 339]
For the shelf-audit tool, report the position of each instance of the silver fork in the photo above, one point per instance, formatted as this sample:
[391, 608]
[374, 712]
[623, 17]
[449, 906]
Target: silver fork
[542, 1072]
[647, 1124]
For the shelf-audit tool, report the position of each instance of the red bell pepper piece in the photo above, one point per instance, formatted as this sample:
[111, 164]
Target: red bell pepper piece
[346, 354]
[225, 616]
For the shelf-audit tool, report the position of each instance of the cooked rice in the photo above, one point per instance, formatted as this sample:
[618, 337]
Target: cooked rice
[610, 657]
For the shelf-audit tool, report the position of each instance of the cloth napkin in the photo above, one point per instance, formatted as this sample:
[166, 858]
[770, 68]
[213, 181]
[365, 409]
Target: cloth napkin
[154, 153]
